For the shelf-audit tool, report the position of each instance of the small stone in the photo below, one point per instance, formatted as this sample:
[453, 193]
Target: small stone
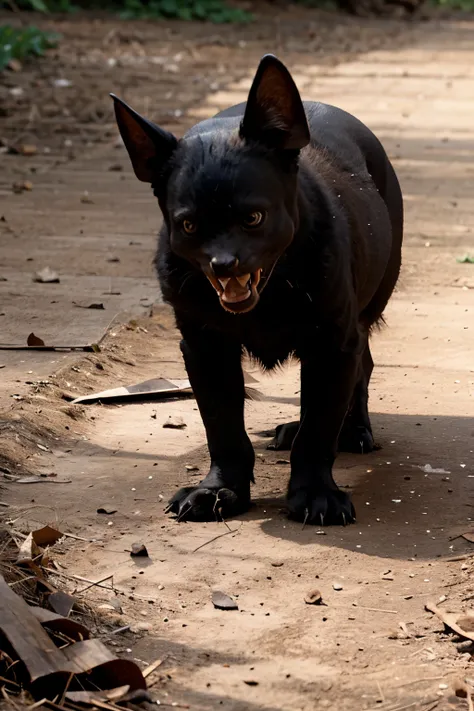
[139, 550]
[141, 627]
[337, 586]
[175, 423]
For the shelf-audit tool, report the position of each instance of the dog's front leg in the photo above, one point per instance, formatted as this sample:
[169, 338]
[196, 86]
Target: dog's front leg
[327, 384]
[213, 363]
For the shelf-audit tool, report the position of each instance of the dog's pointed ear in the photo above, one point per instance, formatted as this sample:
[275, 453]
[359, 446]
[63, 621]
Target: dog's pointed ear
[274, 114]
[148, 145]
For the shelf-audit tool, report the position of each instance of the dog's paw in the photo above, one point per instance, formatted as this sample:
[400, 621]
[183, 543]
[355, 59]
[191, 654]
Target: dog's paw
[202, 503]
[356, 438]
[284, 436]
[327, 507]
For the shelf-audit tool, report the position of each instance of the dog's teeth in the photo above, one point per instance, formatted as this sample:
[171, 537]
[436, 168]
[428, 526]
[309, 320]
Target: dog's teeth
[224, 282]
[243, 279]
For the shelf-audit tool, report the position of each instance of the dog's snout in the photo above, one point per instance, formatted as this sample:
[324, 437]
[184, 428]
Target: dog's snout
[224, 265]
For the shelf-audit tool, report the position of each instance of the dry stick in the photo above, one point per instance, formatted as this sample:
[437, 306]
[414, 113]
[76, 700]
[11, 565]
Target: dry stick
[377, 609]
[151, 668]
[382, 695]
[36, 704]
[8, 699]
[68, 684]
[97, 584]
[226, 533]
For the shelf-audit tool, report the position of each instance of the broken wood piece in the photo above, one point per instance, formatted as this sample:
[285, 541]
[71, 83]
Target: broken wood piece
[50, 671]
[462, 624]
[152, 667]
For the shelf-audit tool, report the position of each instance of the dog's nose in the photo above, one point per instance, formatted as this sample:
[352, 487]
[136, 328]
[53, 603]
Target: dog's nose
[224, 265]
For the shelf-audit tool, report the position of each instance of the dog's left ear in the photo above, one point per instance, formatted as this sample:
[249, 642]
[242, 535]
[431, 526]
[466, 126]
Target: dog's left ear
[148, 145]
[274, 114]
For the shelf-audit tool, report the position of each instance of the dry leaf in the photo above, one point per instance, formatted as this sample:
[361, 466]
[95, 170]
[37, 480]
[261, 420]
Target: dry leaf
[223, 602]
[46, 536]
[61, 603]
[461, 624]
[33, 340]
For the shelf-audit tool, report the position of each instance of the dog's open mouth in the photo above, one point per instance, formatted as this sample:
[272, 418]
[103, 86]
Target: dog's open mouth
[237, 294]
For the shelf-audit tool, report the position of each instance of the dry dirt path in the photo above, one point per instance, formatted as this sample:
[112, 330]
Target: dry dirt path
[276, 652]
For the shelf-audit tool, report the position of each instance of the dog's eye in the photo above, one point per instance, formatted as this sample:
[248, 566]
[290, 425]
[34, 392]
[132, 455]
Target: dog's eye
[253, 219]
[189, 227]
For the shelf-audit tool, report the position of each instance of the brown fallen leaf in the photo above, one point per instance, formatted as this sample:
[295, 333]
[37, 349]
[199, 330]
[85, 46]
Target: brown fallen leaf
[46, 536]
[33, 340]
[47, 666]
[61, 603]
[46, 276]
[139, 550]
[461, 624]
[223, 602]
[314, 597]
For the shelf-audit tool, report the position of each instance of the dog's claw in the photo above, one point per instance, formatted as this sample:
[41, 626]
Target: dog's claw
[329, 506]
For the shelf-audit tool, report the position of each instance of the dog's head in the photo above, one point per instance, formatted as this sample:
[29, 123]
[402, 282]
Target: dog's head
[228, 192]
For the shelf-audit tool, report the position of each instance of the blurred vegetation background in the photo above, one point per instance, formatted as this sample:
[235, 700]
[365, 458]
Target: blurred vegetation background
[19, 43]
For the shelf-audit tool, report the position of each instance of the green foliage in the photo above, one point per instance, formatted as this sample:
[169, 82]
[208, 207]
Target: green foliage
[217, 11]
[211, 10]
[20, 43]
[456, 4]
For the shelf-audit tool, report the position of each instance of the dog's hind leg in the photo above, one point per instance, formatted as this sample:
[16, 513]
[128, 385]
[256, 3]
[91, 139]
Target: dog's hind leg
[356, 434]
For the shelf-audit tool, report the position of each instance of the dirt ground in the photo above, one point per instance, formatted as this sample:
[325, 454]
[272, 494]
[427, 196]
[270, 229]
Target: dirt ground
[372, 645]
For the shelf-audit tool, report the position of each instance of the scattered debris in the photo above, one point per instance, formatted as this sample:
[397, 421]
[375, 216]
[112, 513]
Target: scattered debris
[61, 603]
[89, 305]
[223, 602]
[147, 390]
[53, 671]
[21, 185]
[314, 597]
[86, 198]
[139, 550]
[33, 340]
[46, 276]
[175, 423]
[461, 624]
[428, 469]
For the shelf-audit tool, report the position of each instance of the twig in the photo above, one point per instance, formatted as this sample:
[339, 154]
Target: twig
[152, 667]
[456, 558]
[3, 503]
[377, 609]
[119, 630]
[8, 699]
[68, 684]
[226, 533]
[420, 681]
[97, 584]
[381, 694]
[78, 538]
[36, 704]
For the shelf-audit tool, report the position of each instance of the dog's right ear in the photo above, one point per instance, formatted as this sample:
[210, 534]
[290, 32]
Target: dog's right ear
[274, 114]
[148, 145]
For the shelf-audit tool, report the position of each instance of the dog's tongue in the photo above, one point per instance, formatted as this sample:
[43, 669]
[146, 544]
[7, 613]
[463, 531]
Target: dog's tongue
[235, 289]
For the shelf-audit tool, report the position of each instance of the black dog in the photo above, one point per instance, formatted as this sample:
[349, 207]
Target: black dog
[282, 236]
